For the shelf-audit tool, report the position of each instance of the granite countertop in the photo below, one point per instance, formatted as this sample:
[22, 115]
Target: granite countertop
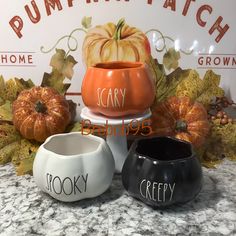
[25, 210]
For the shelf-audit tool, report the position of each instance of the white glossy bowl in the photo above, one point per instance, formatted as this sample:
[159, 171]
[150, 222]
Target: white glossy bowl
[72, 166]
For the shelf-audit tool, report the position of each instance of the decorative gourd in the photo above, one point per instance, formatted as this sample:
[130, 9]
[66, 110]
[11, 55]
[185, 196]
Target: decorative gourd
[40, 112]
[118, 88]
[162, 171]
[181, 118]
[73, 166]
[112, 42]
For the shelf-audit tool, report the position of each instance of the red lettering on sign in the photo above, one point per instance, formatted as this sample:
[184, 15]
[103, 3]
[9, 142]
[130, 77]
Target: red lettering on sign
[16, 59]
[4, 59]
[217, 26]
[217, 61]
[208, 61]
[200, 61]
[35, 19]
[34, 14]
[52, 4]
[30, 59]
[226, 61]
[234, 61]
[70, 3]
[17, 25]
[199, 14]
[186, 7]
[13, 59]
[89, 1]
[171, 4]
[21, 59]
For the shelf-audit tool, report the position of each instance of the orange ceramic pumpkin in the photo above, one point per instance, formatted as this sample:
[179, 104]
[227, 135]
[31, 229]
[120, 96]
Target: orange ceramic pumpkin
[112, 42]
[40, 112]
[118, 88]
[182, 118]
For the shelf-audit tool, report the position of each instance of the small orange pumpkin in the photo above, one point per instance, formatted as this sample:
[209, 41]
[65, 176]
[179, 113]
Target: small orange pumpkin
[118, 88]
[112, 42]
[182, 118]
[40, 112]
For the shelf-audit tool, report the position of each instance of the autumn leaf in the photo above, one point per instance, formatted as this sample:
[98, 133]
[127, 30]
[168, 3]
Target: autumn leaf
[68, 67]
[190, 86]
[62, 63]
[228, 136]
[9, 138]
[25, 84]
[62, 68]
[210, 88]
[58, 60]
[76, 127]
[221, 144]
[55, 80]
[2, 89]
[7, 151]
[24, 155]
[166, 85]
[171, 59]
[6, 111]
[14, 148]
[174, 79]
[86, 22]
[25, 166]
[1, 101]
[10, 89]
[185, 83]
[201, 90]
[8, 134]
[159, 76]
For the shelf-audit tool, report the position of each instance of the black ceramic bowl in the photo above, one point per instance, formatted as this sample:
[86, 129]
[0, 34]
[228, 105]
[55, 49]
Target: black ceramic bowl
[161, 171]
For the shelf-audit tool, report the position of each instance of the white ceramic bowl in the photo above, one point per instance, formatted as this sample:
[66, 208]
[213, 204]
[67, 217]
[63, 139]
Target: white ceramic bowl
[72, 166]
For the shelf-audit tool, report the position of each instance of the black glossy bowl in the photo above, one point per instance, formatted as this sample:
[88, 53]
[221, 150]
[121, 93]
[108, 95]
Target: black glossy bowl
[161, 171]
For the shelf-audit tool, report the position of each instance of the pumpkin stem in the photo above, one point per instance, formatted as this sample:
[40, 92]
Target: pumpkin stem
[40, 107]
[119, 27]
[181, 126]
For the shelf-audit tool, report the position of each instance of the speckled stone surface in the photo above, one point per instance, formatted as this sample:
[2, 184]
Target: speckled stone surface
[25, 210]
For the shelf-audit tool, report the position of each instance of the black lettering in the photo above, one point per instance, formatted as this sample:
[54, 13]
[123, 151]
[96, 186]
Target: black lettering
[50, 182]
[47, 181]
[85, 182]
[60, 185]
[71, 184]
[75, 185]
